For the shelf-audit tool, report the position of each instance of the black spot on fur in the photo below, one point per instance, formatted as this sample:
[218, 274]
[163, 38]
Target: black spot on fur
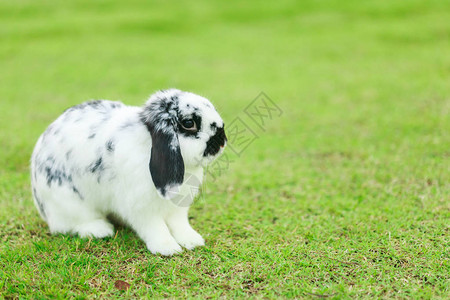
[91, 136]
[96, 166]
[110, 146]
[55, 175]
[52, 175]
[76, 191]
[103, 106]
[94, 103]
[215, 142]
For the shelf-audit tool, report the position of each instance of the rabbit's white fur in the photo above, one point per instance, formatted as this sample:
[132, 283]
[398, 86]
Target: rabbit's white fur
[93, 161]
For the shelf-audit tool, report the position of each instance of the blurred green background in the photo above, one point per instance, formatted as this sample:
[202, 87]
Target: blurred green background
[344, 195]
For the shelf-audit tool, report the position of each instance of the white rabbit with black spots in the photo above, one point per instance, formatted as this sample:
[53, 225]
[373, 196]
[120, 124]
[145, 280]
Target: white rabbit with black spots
[138, 164]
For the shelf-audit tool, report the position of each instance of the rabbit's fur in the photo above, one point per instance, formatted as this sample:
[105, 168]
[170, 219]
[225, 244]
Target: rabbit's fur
[144, 165]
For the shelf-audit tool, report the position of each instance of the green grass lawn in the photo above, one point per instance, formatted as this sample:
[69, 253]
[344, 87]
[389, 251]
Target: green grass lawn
[346, 194]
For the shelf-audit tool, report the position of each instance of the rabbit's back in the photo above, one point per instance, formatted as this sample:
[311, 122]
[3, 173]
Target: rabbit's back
[76, 152]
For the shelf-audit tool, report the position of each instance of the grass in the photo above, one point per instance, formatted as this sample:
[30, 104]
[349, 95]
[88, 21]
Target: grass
[345, 195]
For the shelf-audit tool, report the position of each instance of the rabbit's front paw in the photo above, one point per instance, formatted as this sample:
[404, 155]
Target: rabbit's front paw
[96, 228]
[167, 247]
[189, 238]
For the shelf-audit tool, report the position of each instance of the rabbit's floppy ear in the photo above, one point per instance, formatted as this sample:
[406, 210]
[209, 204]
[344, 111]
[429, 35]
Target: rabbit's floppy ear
[166, 163]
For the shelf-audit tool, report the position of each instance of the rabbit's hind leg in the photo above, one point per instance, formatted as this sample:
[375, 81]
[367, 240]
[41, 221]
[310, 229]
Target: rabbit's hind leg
[67, 212]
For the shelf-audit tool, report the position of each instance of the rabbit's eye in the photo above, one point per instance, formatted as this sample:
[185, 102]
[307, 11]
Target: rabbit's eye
[189, 124]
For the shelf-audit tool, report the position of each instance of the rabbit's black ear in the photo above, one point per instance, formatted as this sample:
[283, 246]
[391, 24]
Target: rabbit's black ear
[166, 163]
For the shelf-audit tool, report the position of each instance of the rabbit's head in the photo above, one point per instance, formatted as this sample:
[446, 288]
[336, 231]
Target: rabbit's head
[186, 131]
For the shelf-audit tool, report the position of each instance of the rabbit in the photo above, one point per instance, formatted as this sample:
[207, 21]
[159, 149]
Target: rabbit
[142, 165]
